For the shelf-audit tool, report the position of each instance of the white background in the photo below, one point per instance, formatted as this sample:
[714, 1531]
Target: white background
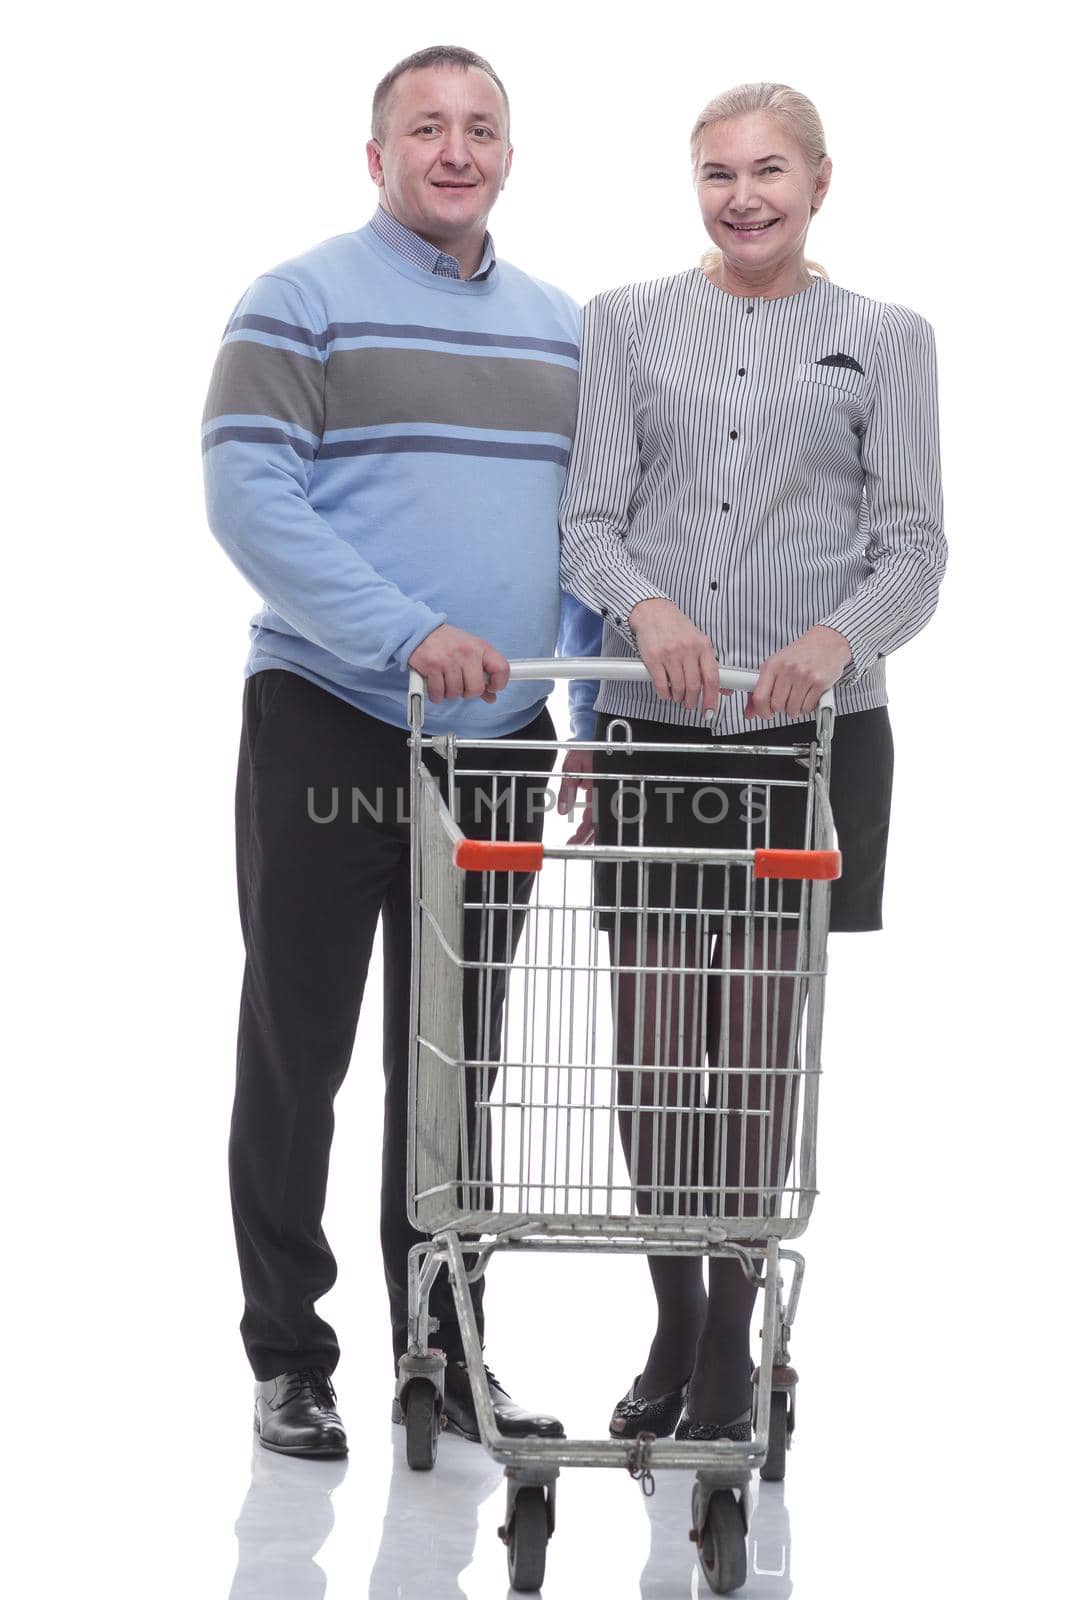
[159, 160]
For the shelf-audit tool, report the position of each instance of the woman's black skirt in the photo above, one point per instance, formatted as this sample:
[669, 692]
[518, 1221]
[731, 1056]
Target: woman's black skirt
[719, 803]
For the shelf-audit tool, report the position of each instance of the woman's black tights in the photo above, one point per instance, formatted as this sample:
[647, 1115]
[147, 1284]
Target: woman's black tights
[697, 1115]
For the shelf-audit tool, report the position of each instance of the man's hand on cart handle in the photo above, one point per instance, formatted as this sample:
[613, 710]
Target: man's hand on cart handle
[577, 766]
[793, 679]
[459, 666]
[680, 659]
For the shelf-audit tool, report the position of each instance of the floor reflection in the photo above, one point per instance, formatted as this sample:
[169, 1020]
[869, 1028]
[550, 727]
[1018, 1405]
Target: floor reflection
[430, 1528]
[670, 1570]
[286, 1519]
[769, 1544]
[431, 1522]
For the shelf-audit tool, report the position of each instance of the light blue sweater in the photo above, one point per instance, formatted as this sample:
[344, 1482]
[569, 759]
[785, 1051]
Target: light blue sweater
[384, 450]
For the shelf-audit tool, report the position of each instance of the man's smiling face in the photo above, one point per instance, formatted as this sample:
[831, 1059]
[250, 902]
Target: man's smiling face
[445, 154]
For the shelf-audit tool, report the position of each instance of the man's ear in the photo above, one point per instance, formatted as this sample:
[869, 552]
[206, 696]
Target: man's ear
[507, 166]
[374, 162]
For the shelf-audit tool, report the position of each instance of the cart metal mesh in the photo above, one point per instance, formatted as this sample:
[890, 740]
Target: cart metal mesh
[645, 1068]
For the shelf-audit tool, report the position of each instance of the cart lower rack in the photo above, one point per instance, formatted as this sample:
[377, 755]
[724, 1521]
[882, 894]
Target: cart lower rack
[614, 1048]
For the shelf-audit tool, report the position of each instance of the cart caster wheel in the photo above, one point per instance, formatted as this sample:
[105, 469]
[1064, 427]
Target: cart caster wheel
[422, 1423]
[528, 1540]
[773, 1469]
[721, 1542]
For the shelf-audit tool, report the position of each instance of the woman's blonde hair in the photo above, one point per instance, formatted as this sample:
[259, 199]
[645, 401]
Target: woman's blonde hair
[793, 109]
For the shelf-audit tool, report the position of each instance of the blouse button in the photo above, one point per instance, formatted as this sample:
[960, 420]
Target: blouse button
[733, 433]
[715, 584]
[726, 505]
[740, 372]
[748, 311]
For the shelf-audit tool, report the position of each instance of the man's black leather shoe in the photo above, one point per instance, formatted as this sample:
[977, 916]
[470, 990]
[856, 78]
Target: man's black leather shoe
[296, 1415]
[511, 1419]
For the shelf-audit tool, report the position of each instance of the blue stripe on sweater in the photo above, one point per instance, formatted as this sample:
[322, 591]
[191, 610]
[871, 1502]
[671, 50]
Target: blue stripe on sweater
[412, 330]
[374, 442]
[397, 330]
[254, 420]
[257, 436]
[430, 444]
[483, 352]
[432, 430]
[255, 323]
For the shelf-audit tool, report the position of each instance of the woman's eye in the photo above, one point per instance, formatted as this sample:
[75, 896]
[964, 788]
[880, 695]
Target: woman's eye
[770, 169]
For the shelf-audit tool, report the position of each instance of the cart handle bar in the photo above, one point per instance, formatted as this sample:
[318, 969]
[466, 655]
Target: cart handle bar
[607, 669]
[611, 669]
[507, 855]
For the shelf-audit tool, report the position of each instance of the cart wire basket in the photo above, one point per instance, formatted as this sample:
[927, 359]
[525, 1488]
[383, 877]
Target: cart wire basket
[614, 1048]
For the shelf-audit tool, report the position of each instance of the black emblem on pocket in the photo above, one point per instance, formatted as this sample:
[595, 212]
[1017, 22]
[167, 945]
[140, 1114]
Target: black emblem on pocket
[840, 360]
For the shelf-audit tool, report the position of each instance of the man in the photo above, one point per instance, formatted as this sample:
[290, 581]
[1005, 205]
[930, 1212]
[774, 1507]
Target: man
[384, 444]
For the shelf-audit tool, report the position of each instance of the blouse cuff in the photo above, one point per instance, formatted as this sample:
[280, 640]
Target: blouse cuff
[864, 647]
[621, 594]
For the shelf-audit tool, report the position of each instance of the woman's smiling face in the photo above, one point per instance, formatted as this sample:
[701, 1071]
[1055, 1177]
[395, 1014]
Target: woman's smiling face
[757, 192]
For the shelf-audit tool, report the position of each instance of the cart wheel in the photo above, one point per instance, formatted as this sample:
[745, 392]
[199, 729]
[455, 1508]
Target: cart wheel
[721, 1543]
[422, 1423]
[528, 1540]
[773, 1469]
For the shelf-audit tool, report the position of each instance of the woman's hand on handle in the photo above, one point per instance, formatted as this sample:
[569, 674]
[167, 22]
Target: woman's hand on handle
[681, 660]
[793, 679]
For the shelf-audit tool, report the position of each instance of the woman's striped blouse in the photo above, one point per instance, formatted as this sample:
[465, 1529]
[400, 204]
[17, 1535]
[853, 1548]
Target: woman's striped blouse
[767, 464]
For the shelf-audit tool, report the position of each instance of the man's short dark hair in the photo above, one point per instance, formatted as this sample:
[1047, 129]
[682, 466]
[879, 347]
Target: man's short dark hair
[438, 55]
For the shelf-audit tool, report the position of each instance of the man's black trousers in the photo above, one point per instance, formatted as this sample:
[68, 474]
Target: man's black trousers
[312, 884]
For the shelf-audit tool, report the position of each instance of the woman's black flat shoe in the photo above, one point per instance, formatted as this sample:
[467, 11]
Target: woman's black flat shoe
[739, 1431]
[659, 1416]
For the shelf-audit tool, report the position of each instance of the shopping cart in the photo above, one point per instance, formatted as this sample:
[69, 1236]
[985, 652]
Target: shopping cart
[516, 1082]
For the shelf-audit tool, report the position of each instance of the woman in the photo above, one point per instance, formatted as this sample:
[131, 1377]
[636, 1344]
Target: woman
[754, 482]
